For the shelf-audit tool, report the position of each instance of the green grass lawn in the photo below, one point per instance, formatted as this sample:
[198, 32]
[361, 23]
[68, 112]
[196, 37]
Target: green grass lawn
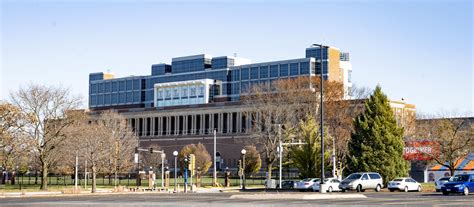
[60, 183]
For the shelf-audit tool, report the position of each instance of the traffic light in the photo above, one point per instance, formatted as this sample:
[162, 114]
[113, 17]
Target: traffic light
[339, 165]
[151, 150]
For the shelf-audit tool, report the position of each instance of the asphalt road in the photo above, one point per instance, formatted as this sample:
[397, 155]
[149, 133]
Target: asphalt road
[223, 199]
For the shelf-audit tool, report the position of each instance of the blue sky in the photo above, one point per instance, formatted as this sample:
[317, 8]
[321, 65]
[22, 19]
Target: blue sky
[417, 50]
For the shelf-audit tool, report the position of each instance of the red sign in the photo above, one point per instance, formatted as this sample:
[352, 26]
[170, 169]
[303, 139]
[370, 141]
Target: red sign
[420, 150]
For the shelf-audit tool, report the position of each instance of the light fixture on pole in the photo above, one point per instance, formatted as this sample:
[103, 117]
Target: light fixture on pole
[175, 154]
[243, 167]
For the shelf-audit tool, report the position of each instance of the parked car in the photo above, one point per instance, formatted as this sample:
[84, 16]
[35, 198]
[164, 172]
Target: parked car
[306, 184]
[362, 181]
[332, 183]
[459, 184]
[287, 184]
[404, 184]
[440, 182]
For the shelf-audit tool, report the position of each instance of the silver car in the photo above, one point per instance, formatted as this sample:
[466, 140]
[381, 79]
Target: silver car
[306, 184]
[440, 182]
[362, 181]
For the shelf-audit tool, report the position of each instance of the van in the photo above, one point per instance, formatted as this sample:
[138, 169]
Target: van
[361, 181]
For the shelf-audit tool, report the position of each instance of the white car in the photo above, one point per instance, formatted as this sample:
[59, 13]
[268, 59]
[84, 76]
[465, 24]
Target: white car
[404, 184]
[439, 183]
[306, 184]
[332, 185]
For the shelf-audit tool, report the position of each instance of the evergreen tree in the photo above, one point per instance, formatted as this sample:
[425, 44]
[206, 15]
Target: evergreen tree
[376, 144]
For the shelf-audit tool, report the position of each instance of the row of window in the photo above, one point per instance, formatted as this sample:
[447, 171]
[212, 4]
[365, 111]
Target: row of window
[115, 99]
[271, 71]
[184, 66]
[178, 102]
[180, 91]
[115, 86]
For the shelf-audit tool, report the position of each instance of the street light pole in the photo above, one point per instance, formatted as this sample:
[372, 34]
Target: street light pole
[175, 153]
[243, 167]
[321, 91]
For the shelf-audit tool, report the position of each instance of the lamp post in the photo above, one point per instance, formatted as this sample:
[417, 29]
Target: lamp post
[243, 167]
[175, 154]
[321, 85]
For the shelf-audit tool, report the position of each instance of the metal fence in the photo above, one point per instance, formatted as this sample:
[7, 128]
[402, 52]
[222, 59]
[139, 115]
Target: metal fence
[129, 179]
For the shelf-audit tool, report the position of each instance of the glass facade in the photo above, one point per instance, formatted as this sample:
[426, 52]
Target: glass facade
[234, 80]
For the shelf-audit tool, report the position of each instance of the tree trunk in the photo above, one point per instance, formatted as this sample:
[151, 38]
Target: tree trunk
[269, 170]
[94, 181]
[44, 177]
[452, 169]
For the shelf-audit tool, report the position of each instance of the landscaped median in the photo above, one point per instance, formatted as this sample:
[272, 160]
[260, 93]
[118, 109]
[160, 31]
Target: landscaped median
[297, 196]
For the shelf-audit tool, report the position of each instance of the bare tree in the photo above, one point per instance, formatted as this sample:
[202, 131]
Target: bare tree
[286, 102]
[124, 143]
[452, 138]
[48, 106]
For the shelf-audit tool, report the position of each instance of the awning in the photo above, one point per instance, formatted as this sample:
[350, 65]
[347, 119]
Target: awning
[462, 164]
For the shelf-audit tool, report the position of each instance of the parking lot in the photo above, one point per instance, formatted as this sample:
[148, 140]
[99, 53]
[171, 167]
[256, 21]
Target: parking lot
[224, 199]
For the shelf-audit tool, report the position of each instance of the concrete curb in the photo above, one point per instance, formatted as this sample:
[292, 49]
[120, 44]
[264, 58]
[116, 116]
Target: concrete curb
[297, 196]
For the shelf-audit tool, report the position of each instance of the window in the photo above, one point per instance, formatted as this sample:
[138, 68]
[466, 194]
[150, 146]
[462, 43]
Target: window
[374, 176]
[122, 98]
[201, 91]
[101, 87]
[108, 87]
[273, 71]
[193, 91]
[304, 68]
[129, 97]
[94, 88]
[294, 69]
[168, 93]
[244, 73]
[283, 70]
[129, 85]
[136, 84]
[184, 92]
[254, 73]
[114, 86]
[122, 85]
[175, 92]
[136, 97]
[365, 177]
[264, 72]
